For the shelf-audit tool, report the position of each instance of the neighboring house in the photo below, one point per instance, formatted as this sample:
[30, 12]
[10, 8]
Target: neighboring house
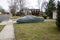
[55, 14]
[31, 11]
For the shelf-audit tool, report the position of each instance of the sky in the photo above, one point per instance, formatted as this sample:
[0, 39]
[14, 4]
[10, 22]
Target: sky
[4, 4]
[28, 3]
[31, 4]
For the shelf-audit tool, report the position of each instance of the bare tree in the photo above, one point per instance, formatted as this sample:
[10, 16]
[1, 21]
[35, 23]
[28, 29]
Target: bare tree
[39, 3]
[44, 4]
[12, 6]
[15, 5]
[2, 10]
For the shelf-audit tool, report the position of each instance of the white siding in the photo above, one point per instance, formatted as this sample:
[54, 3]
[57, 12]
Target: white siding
[54, 15]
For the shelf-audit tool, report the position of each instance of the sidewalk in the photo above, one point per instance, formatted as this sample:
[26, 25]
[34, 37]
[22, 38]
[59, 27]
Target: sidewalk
[3, 23]
[50, 20]
[8, 32]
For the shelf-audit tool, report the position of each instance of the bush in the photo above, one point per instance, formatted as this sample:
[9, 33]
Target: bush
[45, 17]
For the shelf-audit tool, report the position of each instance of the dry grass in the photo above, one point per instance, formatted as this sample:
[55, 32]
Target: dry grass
[37, 31]
[1, 27]
[15, 17]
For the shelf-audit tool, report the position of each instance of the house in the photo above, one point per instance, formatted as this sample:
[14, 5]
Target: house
[31, 11]
[54, 14]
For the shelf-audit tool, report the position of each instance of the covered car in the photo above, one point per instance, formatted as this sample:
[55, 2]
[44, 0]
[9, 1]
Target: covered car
[29, 18]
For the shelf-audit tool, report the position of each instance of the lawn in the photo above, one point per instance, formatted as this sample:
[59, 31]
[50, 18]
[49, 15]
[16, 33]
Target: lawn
[1, 27]
[15, 17]
[36, 31]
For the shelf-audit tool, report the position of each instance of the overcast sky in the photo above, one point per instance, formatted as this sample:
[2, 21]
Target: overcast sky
[4, 4]
[29, 4]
